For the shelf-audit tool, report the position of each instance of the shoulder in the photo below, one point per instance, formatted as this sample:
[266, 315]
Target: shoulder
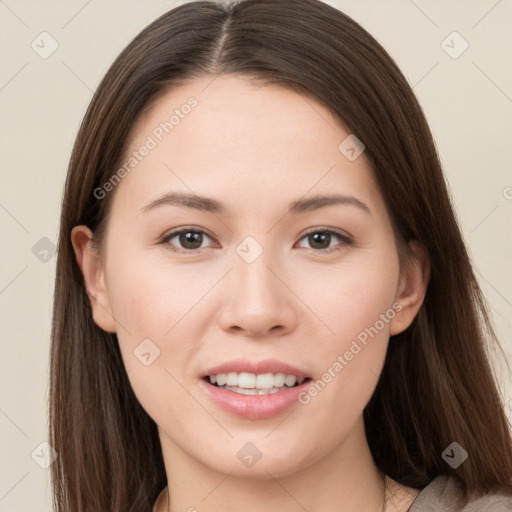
[444, 493]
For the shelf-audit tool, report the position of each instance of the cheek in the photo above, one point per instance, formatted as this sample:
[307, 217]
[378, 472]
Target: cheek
[149, 297]
[148, 312]
[357, 306]
[145, 306]
[354, 295]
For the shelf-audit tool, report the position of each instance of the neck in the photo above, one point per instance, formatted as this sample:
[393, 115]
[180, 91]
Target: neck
[345, 478]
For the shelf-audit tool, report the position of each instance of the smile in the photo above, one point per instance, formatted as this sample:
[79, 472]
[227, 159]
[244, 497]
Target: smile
[246, 383]
[278, 392]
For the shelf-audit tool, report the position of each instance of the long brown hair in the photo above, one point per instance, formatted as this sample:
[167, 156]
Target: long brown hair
[438, 384]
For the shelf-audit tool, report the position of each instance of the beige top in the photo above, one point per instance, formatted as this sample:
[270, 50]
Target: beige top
[442, 494]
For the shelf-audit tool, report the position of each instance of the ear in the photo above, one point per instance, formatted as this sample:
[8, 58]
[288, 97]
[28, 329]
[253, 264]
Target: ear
[91, 266]
[412, 288]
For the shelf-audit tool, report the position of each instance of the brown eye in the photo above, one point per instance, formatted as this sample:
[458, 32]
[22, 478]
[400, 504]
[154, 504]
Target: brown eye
[320, 239]
[186, 239]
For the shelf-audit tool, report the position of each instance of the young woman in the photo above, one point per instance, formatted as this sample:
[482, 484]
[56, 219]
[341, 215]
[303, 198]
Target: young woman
[263, 298]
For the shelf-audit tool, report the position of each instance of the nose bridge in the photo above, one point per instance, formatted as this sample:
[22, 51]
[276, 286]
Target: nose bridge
[254, 280]
[257, 299]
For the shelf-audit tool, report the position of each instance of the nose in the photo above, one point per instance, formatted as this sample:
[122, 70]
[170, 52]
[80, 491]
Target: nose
[258, 301]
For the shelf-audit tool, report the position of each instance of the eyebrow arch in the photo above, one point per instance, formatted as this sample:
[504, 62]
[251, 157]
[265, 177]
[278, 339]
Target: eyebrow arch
[213, 206]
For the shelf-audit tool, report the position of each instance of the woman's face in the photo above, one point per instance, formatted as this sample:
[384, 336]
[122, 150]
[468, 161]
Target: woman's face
[265, 273]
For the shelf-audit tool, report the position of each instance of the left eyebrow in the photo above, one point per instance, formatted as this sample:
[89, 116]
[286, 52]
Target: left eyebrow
[213, 206]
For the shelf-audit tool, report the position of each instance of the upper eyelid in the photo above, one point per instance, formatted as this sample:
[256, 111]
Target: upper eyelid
[344, 236]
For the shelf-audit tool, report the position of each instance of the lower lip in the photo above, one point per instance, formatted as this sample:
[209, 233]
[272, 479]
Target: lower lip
[254, 407]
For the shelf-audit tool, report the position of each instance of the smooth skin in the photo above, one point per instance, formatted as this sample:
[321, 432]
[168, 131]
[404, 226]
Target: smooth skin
[255, 149]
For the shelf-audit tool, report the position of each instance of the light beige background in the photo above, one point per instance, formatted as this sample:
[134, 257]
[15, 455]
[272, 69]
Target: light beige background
[467, 101]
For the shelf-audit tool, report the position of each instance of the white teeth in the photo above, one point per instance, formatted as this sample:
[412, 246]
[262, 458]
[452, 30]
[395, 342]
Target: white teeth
[243, 391]
[290, 380]
[279, 379]
[264, 381]
[245, 380]
[232, 379]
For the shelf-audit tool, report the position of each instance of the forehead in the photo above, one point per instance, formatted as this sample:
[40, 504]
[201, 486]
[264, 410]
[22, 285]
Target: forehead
[227, 137]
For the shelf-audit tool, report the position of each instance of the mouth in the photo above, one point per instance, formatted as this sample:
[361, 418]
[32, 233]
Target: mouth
[255, 396]
[245, 383]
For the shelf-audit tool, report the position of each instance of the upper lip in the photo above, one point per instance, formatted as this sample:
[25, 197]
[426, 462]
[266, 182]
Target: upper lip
[256, 367]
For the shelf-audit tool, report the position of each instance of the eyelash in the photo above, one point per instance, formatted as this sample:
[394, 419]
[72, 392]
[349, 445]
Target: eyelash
[345, 239]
